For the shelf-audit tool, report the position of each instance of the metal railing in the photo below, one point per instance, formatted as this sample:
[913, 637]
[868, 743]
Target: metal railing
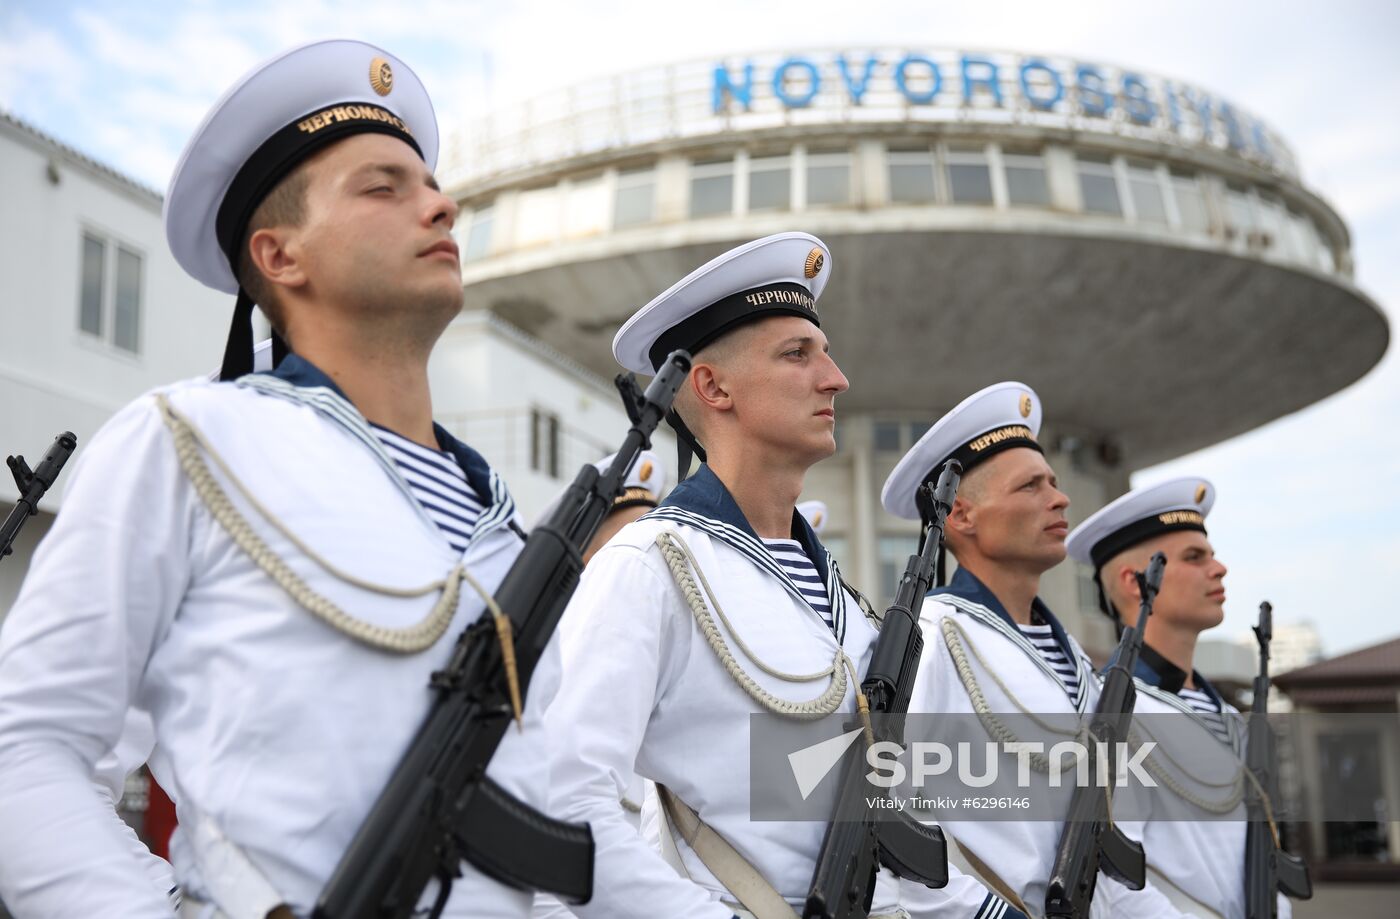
[677, 102]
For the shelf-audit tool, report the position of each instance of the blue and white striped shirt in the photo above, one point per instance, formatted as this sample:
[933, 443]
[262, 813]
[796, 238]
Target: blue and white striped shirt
[793, 558]
[1044, 640]
[438, 483]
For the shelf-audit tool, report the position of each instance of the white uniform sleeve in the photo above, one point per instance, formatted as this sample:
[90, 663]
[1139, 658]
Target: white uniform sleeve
[614, 637]
[100, 592]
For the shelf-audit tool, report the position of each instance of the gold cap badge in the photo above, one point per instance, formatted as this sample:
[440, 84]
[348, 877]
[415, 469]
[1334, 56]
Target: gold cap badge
[815, 261]
[1025, 405]
[381, 76]
[817, 519]
[645, 472]
[1200, 492]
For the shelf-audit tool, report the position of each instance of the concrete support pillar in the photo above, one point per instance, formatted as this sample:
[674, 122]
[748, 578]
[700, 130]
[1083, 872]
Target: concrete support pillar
[856, 435]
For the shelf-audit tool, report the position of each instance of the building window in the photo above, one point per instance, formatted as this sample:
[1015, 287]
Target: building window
[1274, 222]
[109, 302]
[712, 188]
[1098, 187]
[1190, 201]
[770, 183]
[911, 176]
[636, 197]
[828, 178]
[1239, 212]
[1025, 179]
[887, 437]
[94, 272]
[969, 176]
[586, 207]
[893, 553]
[544, 442]
[537, 216]
[479, 234]
[1149, 205]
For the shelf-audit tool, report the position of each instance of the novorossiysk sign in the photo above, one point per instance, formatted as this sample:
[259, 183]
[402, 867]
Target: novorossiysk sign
[986, 83]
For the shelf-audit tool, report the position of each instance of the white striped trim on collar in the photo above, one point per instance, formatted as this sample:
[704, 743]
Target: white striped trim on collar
[339, 410]
[990, 619]
[756, 552]
[1227, 711]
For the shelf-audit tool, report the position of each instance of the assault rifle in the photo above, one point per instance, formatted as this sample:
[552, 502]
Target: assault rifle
[1267, 868]
[843, 885]
[1090, 841]
[439, 806]
[32, 484]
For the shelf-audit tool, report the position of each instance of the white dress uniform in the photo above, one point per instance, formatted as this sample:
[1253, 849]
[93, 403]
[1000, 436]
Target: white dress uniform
[274, 731]
[972, 644]
[1199, 864]
[256, 648]
[645, 691]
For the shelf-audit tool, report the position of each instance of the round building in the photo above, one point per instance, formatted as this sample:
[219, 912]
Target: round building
[1139, 250]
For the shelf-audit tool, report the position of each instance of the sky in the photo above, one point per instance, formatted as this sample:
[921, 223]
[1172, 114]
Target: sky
[1308, 507]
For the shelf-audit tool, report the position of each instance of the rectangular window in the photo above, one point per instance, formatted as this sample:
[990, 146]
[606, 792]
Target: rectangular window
[1238, 208]
[1148, 203]
[1098, 186]
[770, 183]
[537, 216]
[712, 188]
[109, 301]
[1025, 180]
[636, 197]
[911, 176]
[1190, 201]
[94, 270]
[887, 439]
[969, 177]
[126, 326]
[585, 208]
[828, 178]
[544, 442]
[893, 553]
[479, 236]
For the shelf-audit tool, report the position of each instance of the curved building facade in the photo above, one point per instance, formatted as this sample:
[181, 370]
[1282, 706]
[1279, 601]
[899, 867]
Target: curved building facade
[1141, 251]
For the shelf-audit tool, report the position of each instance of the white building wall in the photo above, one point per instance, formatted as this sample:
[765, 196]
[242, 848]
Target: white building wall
[53, 377]
[488, 378]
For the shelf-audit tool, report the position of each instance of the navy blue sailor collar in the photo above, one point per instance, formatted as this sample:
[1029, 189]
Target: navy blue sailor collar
[967, 586]
[704, 494]
[1155, 670]
[300, 372]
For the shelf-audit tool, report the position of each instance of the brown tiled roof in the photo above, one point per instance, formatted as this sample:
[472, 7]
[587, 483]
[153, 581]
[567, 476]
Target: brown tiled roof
[1378, 665]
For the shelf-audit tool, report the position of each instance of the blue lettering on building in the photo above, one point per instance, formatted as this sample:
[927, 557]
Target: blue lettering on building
[855, 88]
[1082, 89]
[724, 85]
[1036, 97]
[915, 63]
[800, 98]
[978, 71]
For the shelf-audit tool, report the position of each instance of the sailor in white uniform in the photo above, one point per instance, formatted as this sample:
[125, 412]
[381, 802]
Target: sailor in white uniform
[991, 644]
[1199, 864]
[719, 604]
[271, 566]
